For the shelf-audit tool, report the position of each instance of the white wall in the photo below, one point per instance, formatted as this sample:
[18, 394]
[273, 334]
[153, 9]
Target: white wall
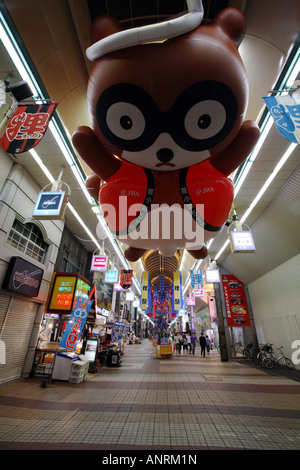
[18, 195]
[275, 300]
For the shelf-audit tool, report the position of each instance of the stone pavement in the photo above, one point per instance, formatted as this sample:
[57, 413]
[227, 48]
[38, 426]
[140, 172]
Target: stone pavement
[181, 404]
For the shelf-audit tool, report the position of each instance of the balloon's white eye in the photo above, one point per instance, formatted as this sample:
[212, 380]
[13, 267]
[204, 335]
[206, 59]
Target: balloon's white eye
[205, 119]
[125, 120]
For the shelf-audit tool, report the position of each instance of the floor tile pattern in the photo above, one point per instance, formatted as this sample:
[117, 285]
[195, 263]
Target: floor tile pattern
[183, 403]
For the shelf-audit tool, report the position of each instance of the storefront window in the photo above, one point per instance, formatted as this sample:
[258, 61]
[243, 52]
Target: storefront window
[28, 239]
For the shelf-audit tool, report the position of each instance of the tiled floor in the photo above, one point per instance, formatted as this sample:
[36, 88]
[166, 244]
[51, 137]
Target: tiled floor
[180, 404]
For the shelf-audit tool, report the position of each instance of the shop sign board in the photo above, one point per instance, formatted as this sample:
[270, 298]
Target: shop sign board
[212, 275]
[27, 127]
[65, 289]
[76, 323]
[285, 111]
[23, 277]
[144, 290]
[50, 205]
[99, 263]
[199, 292]
[118, 287]
[126, 278]
[196, 279]
[235, 301]
[190, 300]
[129, 296]
[111, 276]
[241, 241]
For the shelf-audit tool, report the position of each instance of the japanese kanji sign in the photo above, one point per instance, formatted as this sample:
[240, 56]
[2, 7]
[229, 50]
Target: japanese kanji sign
[76, 323]
[27, 127]
[144, 290]
[125, 278]
[285, 111]
[196, 279]
[177, 292]
[235, 301]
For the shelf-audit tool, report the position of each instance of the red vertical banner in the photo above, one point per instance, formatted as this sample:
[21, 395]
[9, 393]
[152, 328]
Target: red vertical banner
[27, 127]
[126, 278]
[235, 301]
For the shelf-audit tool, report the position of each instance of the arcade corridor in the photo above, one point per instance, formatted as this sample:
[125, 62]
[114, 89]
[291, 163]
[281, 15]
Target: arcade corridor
[179, 404]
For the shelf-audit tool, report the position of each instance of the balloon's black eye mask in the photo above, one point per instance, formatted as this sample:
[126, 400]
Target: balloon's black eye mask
[200, 118]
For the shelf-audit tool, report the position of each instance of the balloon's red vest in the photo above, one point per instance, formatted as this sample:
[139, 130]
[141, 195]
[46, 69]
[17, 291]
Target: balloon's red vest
[127, 196]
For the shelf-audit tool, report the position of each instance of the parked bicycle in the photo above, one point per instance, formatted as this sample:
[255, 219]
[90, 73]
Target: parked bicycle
[264, 351]
[248, 352]
[270, 362]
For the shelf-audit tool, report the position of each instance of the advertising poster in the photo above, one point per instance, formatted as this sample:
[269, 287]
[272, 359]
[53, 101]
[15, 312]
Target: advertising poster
[118, 330]
[235, 301]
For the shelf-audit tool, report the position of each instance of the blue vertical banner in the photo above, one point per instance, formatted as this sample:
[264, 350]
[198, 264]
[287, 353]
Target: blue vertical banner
[149, 311]
[76, 323]
[196, 279]
[285, 111]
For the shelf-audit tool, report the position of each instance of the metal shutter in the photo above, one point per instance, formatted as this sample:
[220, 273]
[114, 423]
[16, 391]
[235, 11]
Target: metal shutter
[16, 320]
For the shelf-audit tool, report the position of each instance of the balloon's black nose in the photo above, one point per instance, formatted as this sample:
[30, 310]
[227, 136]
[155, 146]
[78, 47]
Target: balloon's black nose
[165, 155]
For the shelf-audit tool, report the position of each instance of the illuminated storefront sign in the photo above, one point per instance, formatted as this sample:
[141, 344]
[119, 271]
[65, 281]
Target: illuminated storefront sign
[23, 277]
[129, 296]
[112, 276]
[212, 275]
[99, 263]
[241, 242]
[50, 205]
[118, 287]
[190, 300]
[199, 292]
[64, 291]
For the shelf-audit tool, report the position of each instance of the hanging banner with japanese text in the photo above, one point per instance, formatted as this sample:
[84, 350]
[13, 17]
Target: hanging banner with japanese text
[144, 290]
[196, 279]
[177, 291]
[285, 111]
[27, 127]
[125, 278]
[235, 301]
[76, 323]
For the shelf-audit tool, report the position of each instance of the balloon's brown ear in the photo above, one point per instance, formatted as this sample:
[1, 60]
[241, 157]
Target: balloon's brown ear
[233, 23]
[104, 26]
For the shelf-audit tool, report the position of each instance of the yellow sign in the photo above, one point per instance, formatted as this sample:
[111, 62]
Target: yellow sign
[144, 294]
[62, 293]
[177, 290]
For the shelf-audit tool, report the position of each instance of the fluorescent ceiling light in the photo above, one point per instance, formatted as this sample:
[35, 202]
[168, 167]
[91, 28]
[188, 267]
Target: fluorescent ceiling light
[41, 165]
[279, 165]
[83, 225]
[254, 154]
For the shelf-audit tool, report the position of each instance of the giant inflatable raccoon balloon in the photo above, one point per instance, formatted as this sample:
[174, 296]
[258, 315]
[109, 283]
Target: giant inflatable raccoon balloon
[167, 130]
